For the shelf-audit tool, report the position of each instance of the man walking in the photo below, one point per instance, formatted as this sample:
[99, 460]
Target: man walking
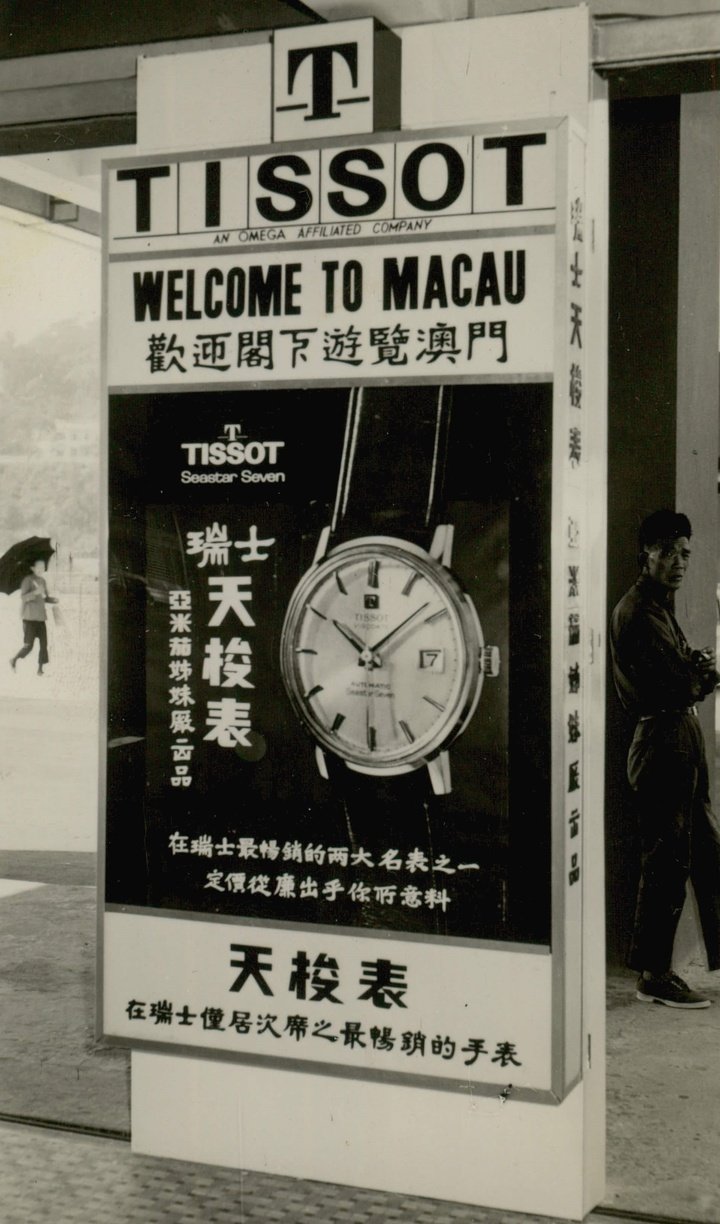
[33, 597]
[659, 679]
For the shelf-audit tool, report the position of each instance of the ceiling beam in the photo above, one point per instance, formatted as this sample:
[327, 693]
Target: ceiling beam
[622, 44]
[83, 99]
[48, 208]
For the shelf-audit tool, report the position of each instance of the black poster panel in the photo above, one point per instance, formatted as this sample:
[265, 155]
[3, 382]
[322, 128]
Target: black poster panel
[218, 800]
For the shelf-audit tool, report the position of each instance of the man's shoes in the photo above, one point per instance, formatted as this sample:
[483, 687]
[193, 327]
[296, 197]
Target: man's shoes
[669, 989]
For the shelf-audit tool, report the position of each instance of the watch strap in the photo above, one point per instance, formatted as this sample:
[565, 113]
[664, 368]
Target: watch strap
[397, 814]
[391, 483]
[392, 472]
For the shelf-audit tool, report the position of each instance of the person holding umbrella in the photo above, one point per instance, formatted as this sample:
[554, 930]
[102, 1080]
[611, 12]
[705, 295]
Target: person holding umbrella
[34, 596]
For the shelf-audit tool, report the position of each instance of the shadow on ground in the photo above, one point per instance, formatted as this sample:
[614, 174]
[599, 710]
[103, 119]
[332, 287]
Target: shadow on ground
[52, 1066]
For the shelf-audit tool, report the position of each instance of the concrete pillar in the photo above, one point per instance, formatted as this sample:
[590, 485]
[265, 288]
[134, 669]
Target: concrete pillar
[698, 434]
[697, 424]
[644, 175]
[663, 400]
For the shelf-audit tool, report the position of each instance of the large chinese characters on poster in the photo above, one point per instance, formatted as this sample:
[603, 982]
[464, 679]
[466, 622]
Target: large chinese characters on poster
[329, 784]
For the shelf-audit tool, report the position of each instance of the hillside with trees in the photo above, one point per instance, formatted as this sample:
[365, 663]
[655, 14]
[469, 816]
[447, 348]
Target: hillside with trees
[49, 437]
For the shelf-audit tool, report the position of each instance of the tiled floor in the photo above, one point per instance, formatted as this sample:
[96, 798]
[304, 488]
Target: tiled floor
[74, 1179]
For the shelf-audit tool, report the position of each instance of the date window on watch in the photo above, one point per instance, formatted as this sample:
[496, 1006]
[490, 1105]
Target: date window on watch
[432, 660]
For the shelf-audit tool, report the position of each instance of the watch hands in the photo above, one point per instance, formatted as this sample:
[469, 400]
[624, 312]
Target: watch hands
[388, 636]
[351, 637]
[368, 658]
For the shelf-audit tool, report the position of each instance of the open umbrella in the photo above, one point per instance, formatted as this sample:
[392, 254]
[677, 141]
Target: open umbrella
[15, 563]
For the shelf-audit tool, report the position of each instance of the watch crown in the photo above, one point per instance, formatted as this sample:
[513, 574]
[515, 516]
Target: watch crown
[490, 661]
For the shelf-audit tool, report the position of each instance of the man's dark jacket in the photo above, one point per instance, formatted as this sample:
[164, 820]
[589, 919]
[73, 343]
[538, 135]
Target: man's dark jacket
[653, 667]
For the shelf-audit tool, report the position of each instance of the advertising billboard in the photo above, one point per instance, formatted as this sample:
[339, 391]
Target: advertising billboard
[344, 632]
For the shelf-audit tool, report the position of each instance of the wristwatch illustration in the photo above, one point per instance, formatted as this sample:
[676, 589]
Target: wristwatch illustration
[382, 651]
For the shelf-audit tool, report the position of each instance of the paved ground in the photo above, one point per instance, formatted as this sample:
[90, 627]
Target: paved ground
[49, 727]
[73, 1179]
[51, 1066]
[48, 774]
[663, 1103]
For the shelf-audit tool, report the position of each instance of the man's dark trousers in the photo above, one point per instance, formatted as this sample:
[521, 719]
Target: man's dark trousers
[680, 838]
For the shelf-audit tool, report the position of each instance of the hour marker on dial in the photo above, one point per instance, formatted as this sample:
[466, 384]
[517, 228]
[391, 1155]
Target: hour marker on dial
[411, 582]
[305, 650]
[338, 721]
[407, 732]
[431, 701]
[373, 569]
[320, 614]
[436, 616]
[318, 689]
[340, 583]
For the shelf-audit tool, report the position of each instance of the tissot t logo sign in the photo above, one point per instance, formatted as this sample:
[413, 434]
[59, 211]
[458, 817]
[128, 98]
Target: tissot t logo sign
[325, 80]
[322, 93]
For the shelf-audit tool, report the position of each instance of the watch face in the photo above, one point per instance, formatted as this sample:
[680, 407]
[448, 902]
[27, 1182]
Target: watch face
[380, 651]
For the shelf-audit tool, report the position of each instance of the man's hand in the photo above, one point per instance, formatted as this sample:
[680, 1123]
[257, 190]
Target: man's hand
[705, 659]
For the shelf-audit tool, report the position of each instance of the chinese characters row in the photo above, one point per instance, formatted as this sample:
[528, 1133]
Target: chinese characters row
[574, 696]
[206, 846]
[181, 748]
[288, 887]
[268, 349]
[351, 1035]
[226, 662]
